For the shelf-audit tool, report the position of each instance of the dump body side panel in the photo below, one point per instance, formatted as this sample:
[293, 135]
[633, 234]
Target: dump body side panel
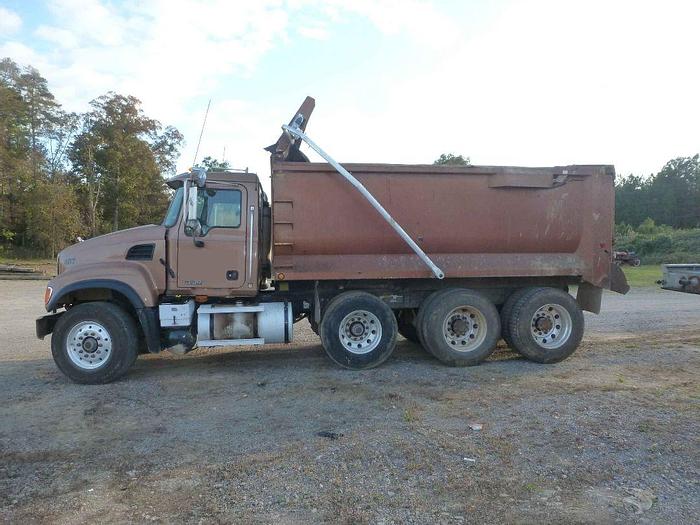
[478, 221]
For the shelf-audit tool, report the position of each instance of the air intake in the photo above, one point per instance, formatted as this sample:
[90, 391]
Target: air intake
[140, 252]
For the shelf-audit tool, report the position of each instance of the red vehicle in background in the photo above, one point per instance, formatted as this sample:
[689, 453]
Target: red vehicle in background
[627, 257]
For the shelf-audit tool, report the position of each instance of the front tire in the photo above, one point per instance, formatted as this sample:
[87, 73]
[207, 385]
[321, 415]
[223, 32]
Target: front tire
[546, 325]
[358, 330]
[95, 343]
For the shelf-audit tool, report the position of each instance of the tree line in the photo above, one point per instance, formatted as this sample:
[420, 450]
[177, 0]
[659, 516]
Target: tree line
[66, 174]
[670, 197]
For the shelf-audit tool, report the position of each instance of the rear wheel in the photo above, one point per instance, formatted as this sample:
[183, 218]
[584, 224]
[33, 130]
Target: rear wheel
[461, 327]
[358, 330]
[95, 343]
[507, 311]
[425, 307]
[546, 325]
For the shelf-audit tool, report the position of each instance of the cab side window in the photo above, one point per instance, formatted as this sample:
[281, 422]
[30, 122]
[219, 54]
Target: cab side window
[218, 208]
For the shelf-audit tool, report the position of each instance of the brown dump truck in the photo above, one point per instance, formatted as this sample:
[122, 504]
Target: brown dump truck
[454, 258]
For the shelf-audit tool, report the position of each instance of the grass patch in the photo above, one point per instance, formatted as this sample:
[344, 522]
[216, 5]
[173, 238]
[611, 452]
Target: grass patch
[642, 276]
[26, 262]
[411, 415]
[47, 266]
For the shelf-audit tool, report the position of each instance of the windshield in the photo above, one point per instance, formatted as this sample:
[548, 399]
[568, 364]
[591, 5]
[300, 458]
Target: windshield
[174, 209]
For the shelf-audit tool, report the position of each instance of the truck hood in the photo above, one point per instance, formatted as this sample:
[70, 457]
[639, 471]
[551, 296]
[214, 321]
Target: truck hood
[112, 246]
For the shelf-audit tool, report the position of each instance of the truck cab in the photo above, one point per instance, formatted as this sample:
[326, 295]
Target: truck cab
[211, 249]
[215, 249]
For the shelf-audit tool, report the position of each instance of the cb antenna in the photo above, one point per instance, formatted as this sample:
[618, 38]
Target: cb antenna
[204, 123]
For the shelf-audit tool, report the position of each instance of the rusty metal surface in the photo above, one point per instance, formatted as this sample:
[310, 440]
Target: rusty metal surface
[477, 221]
[285, 148]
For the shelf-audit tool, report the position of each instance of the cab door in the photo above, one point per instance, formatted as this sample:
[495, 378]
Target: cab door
[218, 263]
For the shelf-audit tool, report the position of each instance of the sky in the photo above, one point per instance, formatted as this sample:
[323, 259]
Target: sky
[532, 83]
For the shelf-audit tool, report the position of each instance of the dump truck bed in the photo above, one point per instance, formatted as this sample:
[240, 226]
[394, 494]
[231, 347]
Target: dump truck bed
[473, 221]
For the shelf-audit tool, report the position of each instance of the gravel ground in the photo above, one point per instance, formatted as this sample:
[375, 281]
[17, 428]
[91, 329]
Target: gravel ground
[610, 435]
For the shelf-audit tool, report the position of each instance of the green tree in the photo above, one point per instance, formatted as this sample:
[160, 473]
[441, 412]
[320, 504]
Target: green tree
[118, 157]
[20, 152]
[632, 196]
[675, 193]
[42, 113]
[671, 197]
[452, 160]
[53, 215]
[213, 164]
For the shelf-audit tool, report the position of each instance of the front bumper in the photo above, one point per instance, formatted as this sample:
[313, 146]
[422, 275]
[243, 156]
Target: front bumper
[46, 324]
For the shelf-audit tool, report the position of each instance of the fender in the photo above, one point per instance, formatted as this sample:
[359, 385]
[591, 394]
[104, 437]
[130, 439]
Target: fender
[109, 284]
[146, 316]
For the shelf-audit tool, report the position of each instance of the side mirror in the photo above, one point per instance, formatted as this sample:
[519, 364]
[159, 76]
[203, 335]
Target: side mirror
[192, 225]
[191, 201]
[194, 228]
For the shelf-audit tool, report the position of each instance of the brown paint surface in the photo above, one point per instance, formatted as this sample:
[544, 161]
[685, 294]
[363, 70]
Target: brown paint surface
[473, 221]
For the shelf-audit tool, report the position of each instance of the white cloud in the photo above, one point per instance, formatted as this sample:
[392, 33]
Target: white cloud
[171, 52]
[421, 20]
[10, 22]
[61, 37]
[314, 30]
[544, 83]
[532, 83]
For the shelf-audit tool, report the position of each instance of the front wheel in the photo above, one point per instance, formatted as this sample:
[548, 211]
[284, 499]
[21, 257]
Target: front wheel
[94, 343]
[546, 325]
[358, 330]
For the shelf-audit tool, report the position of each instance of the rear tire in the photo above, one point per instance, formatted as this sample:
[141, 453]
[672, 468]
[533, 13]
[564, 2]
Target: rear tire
[358, 330]
[461, 327]
[546, 325]
[425, 307]
[507, 311]
[95, 343]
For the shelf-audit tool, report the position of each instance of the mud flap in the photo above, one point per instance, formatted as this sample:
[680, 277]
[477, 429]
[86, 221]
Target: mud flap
[46, 324]
[618, 281]
[589, 297]
[150, 324]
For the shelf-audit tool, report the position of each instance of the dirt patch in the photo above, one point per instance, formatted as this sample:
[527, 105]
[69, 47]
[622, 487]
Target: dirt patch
[282, 435]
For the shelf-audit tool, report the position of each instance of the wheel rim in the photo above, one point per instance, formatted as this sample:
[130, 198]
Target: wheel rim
[464, 328]
[551, 326]
[360, 332]
[89, 345]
